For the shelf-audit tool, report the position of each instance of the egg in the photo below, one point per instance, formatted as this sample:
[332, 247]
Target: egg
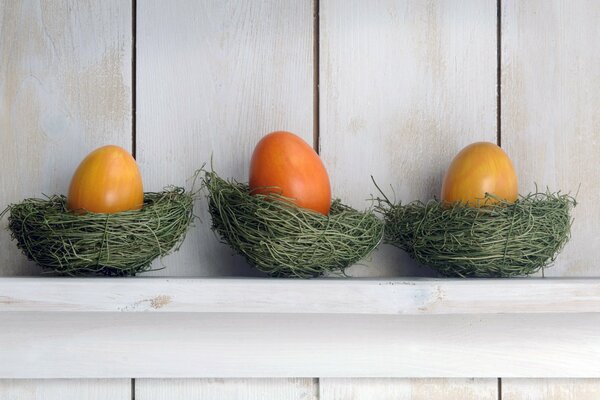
[108, 180]
[478, 169]
[285, 164]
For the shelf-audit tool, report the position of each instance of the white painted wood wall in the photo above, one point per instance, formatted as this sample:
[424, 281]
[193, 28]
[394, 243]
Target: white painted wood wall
[392, 88]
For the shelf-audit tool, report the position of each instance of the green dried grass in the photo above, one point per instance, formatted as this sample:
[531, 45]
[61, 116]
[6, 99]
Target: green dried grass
[118, 244]
[495, 240]
[283, 240]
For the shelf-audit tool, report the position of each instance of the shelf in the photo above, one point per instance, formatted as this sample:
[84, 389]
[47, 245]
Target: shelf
[253, 328]
[285, 296]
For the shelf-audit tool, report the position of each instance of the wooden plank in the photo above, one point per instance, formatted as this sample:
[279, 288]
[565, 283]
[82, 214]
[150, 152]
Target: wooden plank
[280, 296]
[404, 86]
[550, 121]
[550, 389]
[212, 79]
[153, 345]
[65, 89]
[65, 389]
[408, 389]
[226, 389]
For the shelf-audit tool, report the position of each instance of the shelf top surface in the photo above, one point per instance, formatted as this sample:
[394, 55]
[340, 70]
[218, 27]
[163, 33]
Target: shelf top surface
[401, 296]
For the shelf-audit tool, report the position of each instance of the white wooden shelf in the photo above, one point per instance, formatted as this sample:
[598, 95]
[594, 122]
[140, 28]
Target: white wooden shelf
[233, 327]
[285, 296]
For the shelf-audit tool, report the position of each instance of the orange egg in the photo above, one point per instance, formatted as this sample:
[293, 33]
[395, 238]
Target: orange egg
[283, 163]
[108, 180]
[478, 169]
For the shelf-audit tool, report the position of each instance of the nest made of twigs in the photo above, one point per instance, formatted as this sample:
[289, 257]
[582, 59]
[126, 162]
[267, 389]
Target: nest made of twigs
[120, 244]
[497, 239]
[284, 240]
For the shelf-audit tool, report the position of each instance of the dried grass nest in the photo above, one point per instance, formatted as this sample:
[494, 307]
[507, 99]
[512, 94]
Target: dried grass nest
[284, 240]
[498, 239]
[119, 244]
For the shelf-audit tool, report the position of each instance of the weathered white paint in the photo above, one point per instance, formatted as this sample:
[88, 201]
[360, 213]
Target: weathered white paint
[550, 389]
[281, 296]
[180, 345]
[226, 389]
[404, 86]
[212, 79]
[408, 389]
[550, 119]
[65, 89]
[65, 389]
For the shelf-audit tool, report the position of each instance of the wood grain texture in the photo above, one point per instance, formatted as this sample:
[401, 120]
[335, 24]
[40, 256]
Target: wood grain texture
[181, 345]
[550, 389]
[213, 78]
[408, 389]
[280, 296]
[226, 389]
[65, 89]
[550, 119]
[404, 86]
[65, 389]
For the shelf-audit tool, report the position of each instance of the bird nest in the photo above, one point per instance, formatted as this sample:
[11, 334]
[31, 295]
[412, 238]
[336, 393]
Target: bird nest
[497, 239]
[120, 244]
[284, 240]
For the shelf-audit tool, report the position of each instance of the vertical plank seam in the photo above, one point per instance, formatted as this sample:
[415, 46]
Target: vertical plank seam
[133, 104]
[317, 388]
[499, 388]
[316, 71]
[133, 77]
[499, 72]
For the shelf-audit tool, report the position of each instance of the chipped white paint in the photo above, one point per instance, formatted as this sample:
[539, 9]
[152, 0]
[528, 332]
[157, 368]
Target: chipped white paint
[146, 304]
[405, 84]
[226, 389]
[550, 389]
[408, 389]
[280, 296]
[550, 119]
[212, 79]
[65, 89]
